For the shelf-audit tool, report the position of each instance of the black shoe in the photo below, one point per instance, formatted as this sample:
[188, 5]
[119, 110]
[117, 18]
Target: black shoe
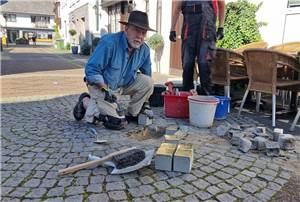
[79, 110]
[133, 119]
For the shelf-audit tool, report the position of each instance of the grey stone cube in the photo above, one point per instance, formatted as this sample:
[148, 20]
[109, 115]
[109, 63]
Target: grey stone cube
[286, 142]
[164, 156]
[244, 145]
[272, 148]
[235, 139]
[276, 133]
[183, 158]
[173, 139]
[222, 130]
[260, 143]
[171, 130]
[144, 120]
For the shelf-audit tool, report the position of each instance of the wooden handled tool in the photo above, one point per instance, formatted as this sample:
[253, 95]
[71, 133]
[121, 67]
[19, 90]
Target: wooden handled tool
[92, 163]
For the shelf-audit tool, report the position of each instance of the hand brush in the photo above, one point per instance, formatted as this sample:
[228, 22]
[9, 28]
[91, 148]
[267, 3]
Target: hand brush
[122, 159]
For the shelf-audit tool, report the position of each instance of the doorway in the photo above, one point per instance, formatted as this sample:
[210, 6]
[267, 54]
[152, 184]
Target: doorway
[12, 36]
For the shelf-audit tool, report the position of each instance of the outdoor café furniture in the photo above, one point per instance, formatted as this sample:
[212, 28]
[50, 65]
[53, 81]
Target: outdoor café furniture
[262, 66]
[228, 66]
[290, 47]
[260, 44]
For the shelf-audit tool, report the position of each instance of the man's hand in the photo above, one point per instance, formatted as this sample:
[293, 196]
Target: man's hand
[172, 36]
[109, 96]
[220, 33]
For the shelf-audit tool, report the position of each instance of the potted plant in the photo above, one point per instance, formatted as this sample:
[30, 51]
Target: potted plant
[74, 48]
[156, 43]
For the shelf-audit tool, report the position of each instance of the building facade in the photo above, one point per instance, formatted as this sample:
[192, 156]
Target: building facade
[24, 19]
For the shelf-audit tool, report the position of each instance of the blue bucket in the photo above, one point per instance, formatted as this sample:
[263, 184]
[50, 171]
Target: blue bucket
[222, 107]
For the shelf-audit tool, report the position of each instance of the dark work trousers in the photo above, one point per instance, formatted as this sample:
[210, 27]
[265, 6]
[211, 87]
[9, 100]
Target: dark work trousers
[196, 45]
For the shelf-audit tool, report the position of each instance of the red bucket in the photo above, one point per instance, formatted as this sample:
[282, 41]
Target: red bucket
[176, 106]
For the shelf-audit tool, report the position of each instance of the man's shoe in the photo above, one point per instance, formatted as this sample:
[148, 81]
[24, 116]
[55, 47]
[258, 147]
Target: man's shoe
[79, 110]
[133, 119]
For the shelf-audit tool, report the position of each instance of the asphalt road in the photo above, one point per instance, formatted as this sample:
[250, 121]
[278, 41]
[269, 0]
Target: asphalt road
[26, 59]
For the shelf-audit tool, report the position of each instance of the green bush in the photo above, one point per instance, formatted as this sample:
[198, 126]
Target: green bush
[156, 42]
[68, 46]
[22, 41]
[72, 32]
[240, 25]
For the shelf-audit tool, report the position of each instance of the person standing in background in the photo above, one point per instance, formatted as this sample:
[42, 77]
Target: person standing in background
[199, 35]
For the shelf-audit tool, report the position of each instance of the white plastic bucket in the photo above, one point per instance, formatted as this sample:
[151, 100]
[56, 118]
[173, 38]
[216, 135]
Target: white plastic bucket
[202, 110]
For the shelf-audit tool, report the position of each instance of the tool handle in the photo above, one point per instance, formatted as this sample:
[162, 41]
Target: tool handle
[92, 163]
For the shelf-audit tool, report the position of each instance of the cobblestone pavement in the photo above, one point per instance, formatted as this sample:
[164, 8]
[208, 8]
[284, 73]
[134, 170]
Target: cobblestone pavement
[39, 138]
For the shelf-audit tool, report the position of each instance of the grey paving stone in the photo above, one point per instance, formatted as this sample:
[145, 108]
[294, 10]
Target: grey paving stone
[74, 198]
[231, 171]
[201, 184]
[242, 178]
[280, 181]
[75, 190]
[198, 173]
[6, 190]
[175, 181]
[146, 180]
[203, 195]
[12, 182]
[262, 196]
[160, 197]
[248, 173]
[159, 176]
[36, 193]
[64, 182]
[285, 175]
[103, 197]
[259, 183]
[32, 183]
[113, 178]
[190, 198]
[225, 187]
[94, 188]
[175, 193]
[19, 192]
[39, 174]
[208, 169]
[249, 187]
[226, 198]
[216, 166]
[142, 199]
[97, 179]
[132, 183]
[266, 177]
[117, 195]
[56, 199]
[55, 192]
[188, 177]
[222, 175]
[112, 186]
[187, 188]
[147, 190]
[270, 172]
[268, 192]
[239, 193]
[212, 180]
[47, 183]
[161, 185]
[214, 190]
[273, 186]
[8, 199]
[81, 181]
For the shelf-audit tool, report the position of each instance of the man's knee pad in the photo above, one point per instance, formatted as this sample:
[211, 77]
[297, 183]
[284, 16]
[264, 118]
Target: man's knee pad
[113, 123]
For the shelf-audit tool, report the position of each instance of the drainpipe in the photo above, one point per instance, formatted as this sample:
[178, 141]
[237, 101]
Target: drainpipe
[97, 15]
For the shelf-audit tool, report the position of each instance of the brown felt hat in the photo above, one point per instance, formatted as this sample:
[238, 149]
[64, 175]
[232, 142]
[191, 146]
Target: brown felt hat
[138, 19]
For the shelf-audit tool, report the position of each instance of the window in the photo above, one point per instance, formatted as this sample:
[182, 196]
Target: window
[114, 16]
[40, 19]
[10, 17]
[293, 3]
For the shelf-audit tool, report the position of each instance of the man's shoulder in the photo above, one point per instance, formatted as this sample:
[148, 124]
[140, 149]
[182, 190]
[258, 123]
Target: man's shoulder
[145, 47]
[111, 37]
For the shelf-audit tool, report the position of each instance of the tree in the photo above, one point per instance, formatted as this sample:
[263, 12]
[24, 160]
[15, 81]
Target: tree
[240, 25]
[73, 32]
